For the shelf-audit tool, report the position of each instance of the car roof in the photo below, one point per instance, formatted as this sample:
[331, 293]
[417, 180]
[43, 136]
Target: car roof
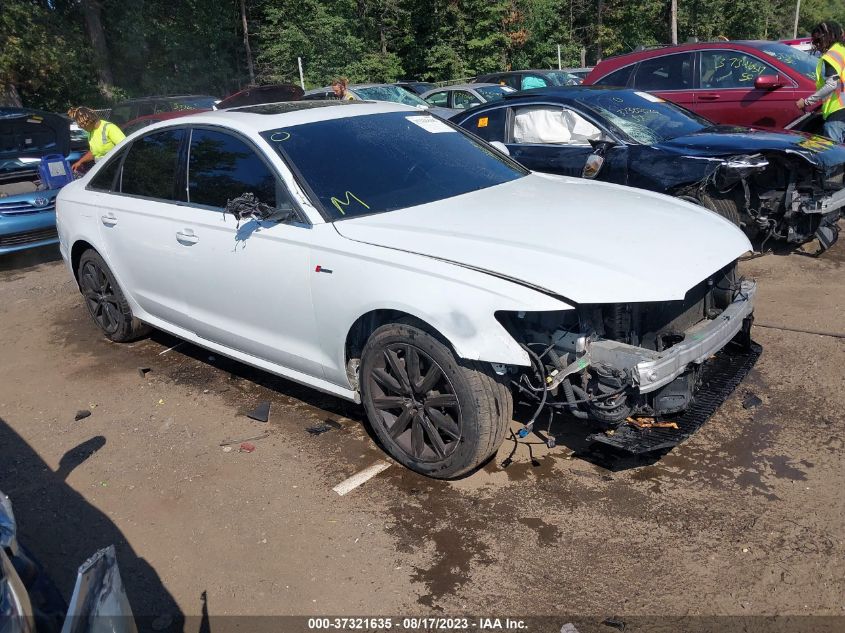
[136, 99]
[609, 64]
[480, 84]
[269, 116]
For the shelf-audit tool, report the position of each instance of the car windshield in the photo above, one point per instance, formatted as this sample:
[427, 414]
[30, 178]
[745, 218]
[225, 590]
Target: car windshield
[645, 118]
[798, 60]
[560, 78]
[193, 103]
[494, 93]
[374, 163]
[389, 93]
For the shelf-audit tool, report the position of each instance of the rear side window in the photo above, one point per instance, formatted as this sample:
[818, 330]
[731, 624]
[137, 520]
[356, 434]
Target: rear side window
[150, 167]
[104, 180]
[669, 72]
[489, 125]
[617, 77]
[222, 167]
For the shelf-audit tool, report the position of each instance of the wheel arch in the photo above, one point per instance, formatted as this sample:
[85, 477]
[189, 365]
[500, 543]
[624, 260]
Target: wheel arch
[363, 327]
[79, 247]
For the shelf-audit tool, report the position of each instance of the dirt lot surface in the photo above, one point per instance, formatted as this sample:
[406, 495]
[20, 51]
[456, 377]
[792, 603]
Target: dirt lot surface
[746, 518]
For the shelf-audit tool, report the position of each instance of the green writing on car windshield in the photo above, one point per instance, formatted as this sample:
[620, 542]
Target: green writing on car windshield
[339, 204]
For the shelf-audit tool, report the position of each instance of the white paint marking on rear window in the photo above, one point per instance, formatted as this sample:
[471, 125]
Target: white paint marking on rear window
[430, 124]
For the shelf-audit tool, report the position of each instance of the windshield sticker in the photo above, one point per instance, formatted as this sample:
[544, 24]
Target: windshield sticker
[339, 204]
[649, 97]
[279, 137]
[430, 124]
[483, 121]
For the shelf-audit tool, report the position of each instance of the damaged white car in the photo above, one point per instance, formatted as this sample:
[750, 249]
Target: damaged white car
[382, 255]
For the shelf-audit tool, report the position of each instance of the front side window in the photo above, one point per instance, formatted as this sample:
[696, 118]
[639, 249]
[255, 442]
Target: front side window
[222, 167]
[731, 69]
[150, 167]
[463, 99]
[552, 125]
[367, 164]
[493, 93]
[438, 99]
[669, 72]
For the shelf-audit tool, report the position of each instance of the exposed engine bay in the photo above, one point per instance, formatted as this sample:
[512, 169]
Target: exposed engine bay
[779, 195]
[608, 362]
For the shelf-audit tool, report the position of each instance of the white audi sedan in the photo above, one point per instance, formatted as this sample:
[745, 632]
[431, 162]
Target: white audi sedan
[380, 254]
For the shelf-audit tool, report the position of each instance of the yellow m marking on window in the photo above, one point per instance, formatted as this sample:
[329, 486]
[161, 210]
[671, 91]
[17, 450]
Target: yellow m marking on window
[339, 204]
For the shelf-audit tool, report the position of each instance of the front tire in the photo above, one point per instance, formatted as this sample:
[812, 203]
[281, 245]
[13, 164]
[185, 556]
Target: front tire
[105, 300]
[434, 413]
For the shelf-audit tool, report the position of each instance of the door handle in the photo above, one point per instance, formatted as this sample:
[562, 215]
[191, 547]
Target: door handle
[109, 219]
[709, 96]
[186, 237]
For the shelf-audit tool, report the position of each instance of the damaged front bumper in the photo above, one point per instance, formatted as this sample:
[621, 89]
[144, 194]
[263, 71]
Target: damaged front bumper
[652, 370]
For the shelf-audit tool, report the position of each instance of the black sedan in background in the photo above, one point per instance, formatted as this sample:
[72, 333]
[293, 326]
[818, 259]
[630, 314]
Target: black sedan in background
[775, 185]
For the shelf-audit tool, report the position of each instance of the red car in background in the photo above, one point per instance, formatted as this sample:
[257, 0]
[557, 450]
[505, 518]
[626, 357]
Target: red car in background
[750, 83]
[143, 121]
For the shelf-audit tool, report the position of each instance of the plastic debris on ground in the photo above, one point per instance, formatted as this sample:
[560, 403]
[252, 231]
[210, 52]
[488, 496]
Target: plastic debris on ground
[325, 427]
[751, 401]
[616, 623]
[261, 413]
[246, 447]
[81, 415]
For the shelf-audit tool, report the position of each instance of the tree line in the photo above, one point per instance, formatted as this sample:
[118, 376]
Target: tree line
[54, 53]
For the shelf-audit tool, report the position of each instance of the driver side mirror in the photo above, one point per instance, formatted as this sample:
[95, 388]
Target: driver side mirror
[768, 82]
[595, 161]
[248, 207]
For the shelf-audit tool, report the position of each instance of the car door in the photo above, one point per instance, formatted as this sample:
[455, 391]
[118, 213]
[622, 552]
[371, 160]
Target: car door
[727, 93]
[668, 76]
[136, 223]
[249, 286]
[551, 138]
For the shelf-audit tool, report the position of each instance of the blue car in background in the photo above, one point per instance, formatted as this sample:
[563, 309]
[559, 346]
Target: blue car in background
[28, 206]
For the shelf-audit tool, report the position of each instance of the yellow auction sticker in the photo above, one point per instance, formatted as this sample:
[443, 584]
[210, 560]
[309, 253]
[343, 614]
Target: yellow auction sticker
[482, 122]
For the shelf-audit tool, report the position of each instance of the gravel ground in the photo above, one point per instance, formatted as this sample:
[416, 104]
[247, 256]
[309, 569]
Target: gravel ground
[744, 519]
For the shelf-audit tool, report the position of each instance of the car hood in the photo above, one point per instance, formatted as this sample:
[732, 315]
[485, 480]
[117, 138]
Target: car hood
[726, 140]
[32, 134]
[585, 241]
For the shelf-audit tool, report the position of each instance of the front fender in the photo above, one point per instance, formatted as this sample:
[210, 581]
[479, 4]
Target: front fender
[459, 303]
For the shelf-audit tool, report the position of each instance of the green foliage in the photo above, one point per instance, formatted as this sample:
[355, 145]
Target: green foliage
[197, 46]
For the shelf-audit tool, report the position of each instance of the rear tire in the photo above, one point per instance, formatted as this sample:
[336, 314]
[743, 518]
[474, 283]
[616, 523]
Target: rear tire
[434, 413]
[105, 300]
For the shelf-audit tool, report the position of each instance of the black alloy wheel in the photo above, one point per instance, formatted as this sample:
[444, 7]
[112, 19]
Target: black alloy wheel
[103, 304]
[416, 402]
[105, 300]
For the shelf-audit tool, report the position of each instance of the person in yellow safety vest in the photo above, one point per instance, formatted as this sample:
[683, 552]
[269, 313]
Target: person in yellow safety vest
[340, 86]
[102, 135]
[830, 79]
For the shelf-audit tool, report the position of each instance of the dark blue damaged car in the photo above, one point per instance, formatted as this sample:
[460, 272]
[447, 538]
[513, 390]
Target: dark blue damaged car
[775, 185]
